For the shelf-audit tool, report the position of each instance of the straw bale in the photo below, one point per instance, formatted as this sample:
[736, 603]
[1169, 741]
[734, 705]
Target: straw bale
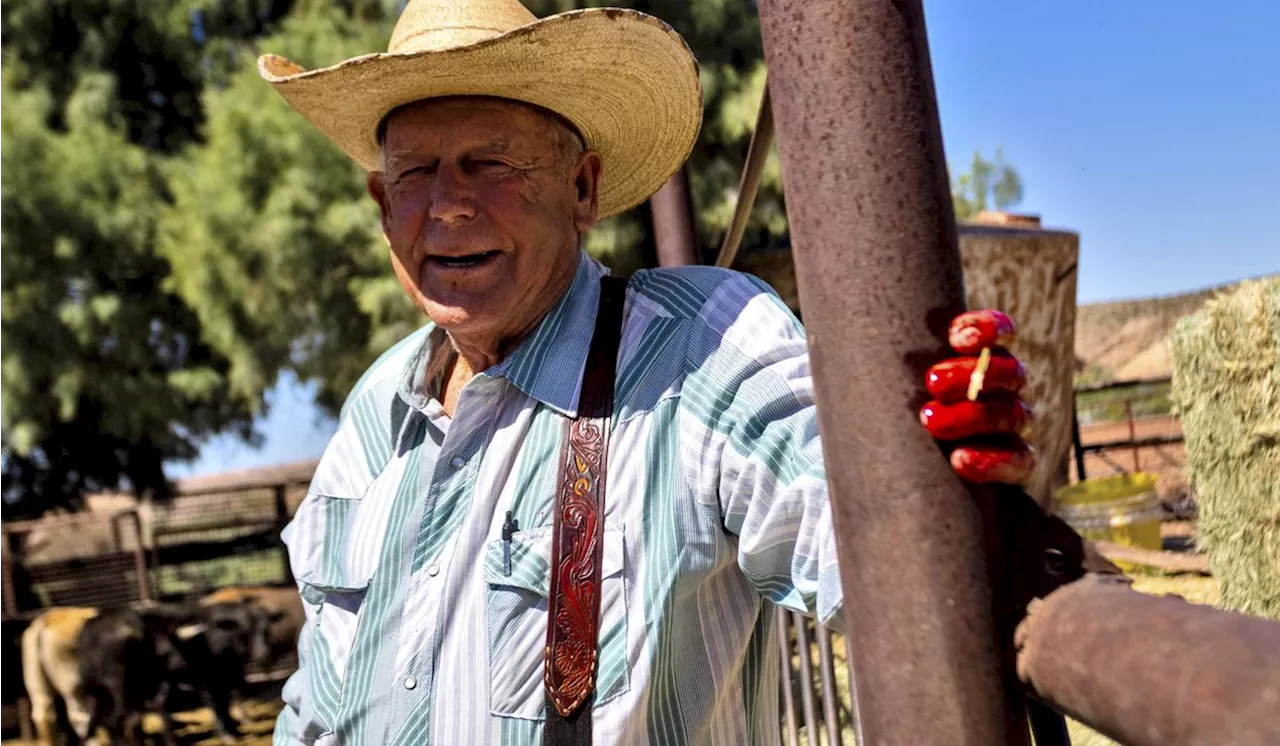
[1226, 387]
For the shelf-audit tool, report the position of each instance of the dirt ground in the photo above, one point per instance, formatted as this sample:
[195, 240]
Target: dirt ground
[195, 728]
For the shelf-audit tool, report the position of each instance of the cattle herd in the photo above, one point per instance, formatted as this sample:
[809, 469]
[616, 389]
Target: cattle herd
[109, 667]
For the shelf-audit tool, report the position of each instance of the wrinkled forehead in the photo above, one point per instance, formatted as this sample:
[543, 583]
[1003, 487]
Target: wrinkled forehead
[515, 114]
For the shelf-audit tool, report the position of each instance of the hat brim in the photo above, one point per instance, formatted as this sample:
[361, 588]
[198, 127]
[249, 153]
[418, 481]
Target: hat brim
[625, 79]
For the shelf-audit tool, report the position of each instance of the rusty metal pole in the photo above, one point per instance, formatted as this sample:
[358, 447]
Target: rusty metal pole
[140, 558]
[1077, 443]
[673, 226]
[878, 270]
[1151, 671]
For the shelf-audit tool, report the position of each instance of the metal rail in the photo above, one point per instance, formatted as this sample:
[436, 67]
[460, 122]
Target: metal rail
[1089, 388]
[674, 231]
[878, 270]
[1147, 442]
[1153, 671]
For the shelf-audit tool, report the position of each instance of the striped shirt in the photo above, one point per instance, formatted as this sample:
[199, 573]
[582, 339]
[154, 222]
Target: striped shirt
[717, 510]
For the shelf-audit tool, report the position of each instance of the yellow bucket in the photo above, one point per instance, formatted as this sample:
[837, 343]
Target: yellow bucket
[1123, 509]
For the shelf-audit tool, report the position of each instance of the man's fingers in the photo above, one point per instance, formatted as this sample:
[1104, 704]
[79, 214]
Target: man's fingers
[948, 381]
[974, 419]
[973, 330]
[1008, 461]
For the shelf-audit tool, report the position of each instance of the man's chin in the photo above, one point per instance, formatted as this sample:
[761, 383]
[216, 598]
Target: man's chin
[459, 318]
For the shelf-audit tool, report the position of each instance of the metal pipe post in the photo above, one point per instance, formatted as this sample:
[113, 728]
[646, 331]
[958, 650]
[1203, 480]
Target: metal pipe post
[1153, 671]
[806, 677]
[830, 712]
[673, 227]
[140, 558]
[878, 270]
[1077, 443]
[788, 693]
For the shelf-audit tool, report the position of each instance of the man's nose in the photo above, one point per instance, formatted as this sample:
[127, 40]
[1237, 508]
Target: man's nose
[452, 200]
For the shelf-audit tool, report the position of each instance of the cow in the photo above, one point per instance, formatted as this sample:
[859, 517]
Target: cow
[51, 670]
[128, 660]
[282, 605]
[132, 660]
[199, 648]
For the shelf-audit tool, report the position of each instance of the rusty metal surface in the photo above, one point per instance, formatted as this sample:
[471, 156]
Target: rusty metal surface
[673, 226]
[830, 711]
[788, 692]
[1151, 671]
[879, 276]
[803, 648]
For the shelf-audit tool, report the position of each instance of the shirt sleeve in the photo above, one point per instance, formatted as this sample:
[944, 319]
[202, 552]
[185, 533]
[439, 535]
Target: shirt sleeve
[290, 724]
[751, 438]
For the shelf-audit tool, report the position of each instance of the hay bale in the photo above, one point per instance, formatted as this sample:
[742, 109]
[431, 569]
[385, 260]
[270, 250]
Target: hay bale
[1226, 387]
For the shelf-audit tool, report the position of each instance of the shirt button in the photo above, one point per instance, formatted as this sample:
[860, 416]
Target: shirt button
[410, 682]
[433, 570]
[457, 462]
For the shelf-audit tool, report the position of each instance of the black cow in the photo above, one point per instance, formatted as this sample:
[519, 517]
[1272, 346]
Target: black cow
[133, 660]
[128, 661]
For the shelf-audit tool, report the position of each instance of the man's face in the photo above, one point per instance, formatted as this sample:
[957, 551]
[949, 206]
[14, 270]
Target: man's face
[483, 202]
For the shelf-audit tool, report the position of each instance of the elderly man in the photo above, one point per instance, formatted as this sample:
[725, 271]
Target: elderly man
[564, 509]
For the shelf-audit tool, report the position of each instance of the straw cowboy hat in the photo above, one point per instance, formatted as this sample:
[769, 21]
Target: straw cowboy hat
[626, 80]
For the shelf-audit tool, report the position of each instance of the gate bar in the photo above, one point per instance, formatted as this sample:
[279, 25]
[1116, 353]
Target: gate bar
[1153, 671]
[674, 233]
[878, 270]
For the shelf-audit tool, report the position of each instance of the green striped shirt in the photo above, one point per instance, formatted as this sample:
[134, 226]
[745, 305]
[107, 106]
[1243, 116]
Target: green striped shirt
[717, 510]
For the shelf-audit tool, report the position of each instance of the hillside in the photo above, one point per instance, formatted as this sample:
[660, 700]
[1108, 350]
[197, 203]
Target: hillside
[1130, 339]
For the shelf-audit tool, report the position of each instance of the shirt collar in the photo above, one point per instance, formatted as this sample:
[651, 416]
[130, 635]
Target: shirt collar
[548, 364]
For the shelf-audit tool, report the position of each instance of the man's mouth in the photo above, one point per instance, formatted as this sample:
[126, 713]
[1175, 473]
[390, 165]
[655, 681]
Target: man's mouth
[466, 261]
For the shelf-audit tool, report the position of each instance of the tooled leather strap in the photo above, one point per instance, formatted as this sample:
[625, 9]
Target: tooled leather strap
[569, 671]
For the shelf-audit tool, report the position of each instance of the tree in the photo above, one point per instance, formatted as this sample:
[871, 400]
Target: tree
[986, 183]
[106, 371]
[277, 247]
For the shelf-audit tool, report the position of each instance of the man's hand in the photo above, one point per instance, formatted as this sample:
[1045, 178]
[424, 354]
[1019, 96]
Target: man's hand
[975, 407]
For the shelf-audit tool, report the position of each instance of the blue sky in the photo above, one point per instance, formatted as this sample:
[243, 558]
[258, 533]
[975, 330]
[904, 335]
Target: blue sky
[1148, 127]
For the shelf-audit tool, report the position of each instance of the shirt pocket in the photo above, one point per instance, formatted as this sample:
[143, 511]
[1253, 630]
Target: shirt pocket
[517, 622]
[333, 581]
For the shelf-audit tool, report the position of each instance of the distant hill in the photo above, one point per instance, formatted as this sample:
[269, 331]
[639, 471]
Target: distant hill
[1130, 339]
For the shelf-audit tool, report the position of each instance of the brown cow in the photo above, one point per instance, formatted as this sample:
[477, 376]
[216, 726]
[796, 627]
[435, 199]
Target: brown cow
[51, 669]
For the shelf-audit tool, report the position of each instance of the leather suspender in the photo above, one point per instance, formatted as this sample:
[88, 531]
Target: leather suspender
[577, 537]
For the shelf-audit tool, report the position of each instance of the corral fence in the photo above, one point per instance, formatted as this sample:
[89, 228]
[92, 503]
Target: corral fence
[225, 531]
[1129, 401]
[213, 533]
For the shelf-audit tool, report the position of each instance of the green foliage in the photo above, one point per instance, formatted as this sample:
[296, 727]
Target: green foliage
[278, 246]
[994, 183]
[174, 236]
[105, 373]
[725, 37]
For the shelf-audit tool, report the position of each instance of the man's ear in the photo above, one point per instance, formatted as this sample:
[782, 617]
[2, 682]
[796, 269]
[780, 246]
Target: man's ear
[586, 182]
[377, 186]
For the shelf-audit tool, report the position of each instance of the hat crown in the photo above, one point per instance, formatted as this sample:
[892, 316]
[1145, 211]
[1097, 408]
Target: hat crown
[430, 25]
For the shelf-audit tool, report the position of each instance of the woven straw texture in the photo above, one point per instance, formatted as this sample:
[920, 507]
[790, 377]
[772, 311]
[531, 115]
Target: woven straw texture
[626, 80]
[1226, 386]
